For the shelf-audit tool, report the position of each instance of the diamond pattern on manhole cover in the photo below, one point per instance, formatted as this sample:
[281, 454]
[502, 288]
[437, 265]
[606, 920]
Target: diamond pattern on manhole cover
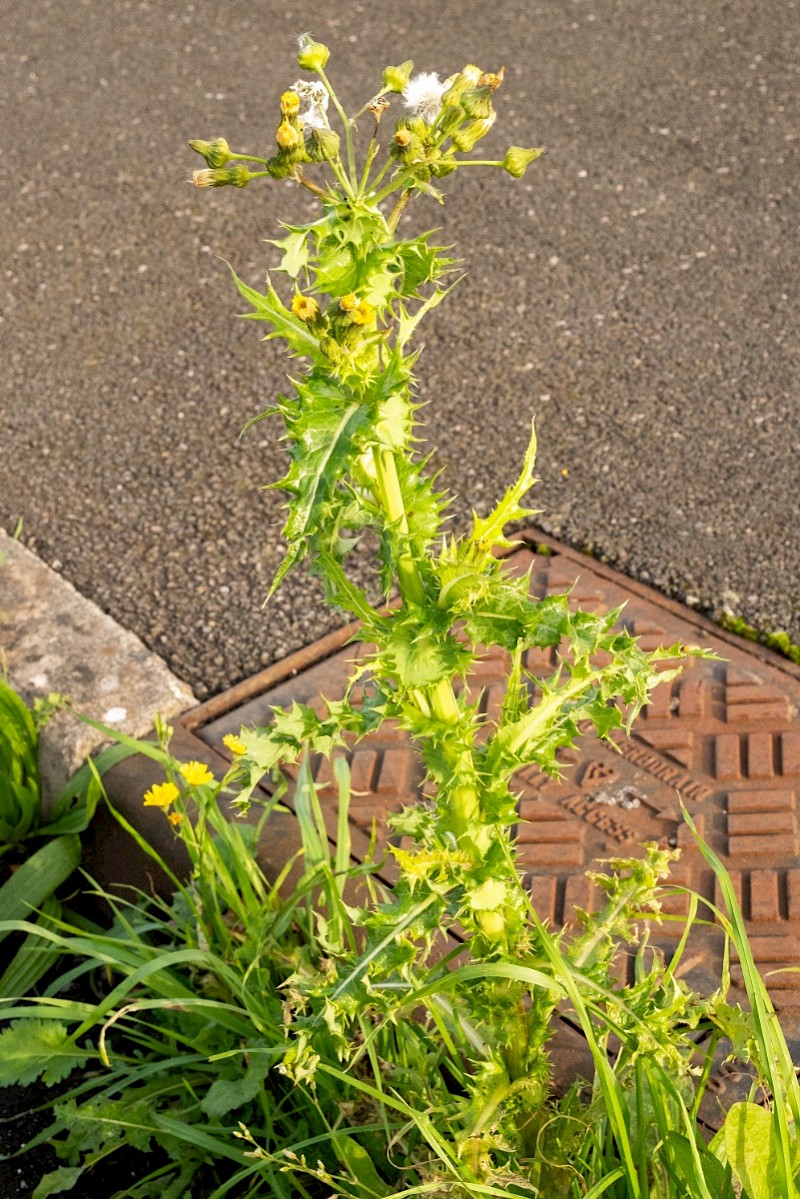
[724, 738]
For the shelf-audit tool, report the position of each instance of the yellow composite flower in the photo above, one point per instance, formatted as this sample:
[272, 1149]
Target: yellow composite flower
[234, 744]
[362, 314]
[161, 795]
[175, 818]
[196, 774]
[305, 308]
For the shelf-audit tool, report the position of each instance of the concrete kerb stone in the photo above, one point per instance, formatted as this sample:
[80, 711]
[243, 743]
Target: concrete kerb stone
[54, 639]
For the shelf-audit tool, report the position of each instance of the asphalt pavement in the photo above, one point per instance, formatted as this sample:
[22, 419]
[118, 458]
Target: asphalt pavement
[636, 292]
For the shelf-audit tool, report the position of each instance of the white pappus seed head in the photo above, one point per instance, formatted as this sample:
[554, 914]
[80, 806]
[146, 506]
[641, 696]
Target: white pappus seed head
[314, 103]
[423, 95]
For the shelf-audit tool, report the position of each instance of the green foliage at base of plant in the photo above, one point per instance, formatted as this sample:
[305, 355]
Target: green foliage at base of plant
[257, 1037]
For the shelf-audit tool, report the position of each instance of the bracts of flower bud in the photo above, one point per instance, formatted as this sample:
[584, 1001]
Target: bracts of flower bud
[312, 55]
[216, 153]
[222, 177]
[321, 145]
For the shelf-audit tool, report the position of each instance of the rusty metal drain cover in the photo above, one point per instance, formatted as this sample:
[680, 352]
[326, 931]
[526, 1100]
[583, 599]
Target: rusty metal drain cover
[724, 738]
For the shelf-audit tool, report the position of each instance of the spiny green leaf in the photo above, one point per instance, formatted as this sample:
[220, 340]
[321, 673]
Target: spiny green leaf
[269, 308]
[378, 279]
[295, 248]
[418, 657]
[488, 532]
[423, 263]
[407, 324]
[322, 429]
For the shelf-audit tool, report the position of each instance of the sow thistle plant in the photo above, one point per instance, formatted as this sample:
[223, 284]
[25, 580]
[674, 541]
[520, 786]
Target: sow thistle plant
[360, 293]
[318, 1034]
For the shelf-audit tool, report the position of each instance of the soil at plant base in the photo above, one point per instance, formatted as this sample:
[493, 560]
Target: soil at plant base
[27, 1111]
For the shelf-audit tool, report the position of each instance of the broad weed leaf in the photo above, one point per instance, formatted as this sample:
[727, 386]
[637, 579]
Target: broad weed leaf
[227, 1094]
[751, 1146]
[57, 1181]
[31, 1049]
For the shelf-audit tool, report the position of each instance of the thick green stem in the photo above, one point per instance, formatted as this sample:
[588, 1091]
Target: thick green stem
[391, 496]
[440, 698]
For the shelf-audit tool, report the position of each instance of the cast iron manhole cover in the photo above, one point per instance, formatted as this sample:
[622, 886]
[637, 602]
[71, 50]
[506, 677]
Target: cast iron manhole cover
[724, 738]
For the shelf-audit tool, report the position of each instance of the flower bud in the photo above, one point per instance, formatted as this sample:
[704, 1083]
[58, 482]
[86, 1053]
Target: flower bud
[216, 153]
[305, 308]
[321, 145]
[466, 138]
[235, 176]
[332, 350]
[313, 55]
[492, 925]
[449, 120]
[444, 167]
[281, 165]
[517, 160]
[458, 84]
[407, 147]
[290, 104]
[395, 79]
[287, 137]
[477, 102]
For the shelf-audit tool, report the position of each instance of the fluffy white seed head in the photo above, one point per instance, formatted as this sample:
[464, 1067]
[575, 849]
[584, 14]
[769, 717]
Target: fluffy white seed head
[423, 95]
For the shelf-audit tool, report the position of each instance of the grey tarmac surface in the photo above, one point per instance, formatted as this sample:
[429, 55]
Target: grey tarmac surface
[637, 292]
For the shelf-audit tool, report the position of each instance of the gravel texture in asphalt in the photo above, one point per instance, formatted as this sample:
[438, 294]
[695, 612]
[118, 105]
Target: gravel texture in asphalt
[634, 292]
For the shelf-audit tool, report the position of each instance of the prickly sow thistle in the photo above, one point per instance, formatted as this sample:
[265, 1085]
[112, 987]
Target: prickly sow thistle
[359, 295]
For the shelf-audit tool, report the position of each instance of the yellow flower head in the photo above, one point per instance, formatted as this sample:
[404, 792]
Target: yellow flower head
[287, 137]
[196, 774]
[362, 314]
[290, 104]
[234, 744]
[161, 795]
[175, 818]
[305, 308]
[349, 302]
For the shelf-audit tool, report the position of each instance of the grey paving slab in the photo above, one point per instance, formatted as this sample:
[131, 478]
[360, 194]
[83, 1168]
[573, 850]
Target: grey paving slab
[54, 639]
[634, 291]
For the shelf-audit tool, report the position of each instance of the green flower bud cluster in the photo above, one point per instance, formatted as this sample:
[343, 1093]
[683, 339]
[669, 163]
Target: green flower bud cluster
[290, 138]
[466, 115]
[443, 121]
